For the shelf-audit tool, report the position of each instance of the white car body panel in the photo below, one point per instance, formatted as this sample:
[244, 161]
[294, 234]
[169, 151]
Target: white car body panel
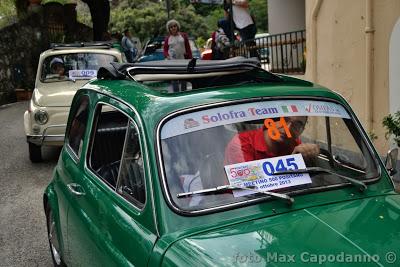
[55, 98]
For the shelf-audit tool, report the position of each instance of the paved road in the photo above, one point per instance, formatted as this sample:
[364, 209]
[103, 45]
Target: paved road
[23, 236]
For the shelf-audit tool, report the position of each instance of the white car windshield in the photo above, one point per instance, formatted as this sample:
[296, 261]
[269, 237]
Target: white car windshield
[315, 145]
[74, 66]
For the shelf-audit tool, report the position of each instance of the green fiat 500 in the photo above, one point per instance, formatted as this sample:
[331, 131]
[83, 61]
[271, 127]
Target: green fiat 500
[217, 163]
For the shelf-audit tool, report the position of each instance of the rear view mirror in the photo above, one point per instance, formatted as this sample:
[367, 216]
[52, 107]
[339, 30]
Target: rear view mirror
[391, 161]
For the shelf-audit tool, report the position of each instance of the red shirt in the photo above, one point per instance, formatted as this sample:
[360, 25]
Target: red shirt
[250, 145]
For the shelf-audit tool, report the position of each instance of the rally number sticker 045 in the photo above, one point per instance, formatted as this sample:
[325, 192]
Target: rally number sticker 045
[259, 173]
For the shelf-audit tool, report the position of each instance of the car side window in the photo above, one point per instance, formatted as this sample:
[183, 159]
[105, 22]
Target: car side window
[131, 184]
[77, 129]
[107, 143]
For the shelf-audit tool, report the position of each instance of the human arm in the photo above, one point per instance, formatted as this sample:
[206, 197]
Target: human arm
[308, 151]
[239, 149]
[166, 47]
[188, 50]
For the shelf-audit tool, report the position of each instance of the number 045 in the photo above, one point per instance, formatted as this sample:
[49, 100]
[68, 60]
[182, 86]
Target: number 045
[281, 165]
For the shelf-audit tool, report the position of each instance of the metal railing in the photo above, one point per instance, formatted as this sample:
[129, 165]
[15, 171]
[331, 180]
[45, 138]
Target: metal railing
[280, 53]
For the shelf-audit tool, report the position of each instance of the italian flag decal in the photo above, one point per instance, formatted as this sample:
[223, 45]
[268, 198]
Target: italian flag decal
[291, 108]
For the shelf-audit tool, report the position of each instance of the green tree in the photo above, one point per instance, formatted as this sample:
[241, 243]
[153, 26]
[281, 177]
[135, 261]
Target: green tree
[8, 11]
[146, 19]
[392, 124]
[259, 10]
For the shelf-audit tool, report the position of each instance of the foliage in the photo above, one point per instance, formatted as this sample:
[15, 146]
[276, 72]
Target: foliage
[146, 19]
[200, 41]
[372, 136]
[205, 9]
[83, 14]
[7, 12]
[259, 10]
[392, 125]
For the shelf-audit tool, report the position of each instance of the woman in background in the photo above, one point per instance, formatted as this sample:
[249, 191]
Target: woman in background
[176, 44]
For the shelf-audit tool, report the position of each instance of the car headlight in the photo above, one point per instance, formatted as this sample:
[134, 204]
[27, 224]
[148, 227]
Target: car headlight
[41, 116]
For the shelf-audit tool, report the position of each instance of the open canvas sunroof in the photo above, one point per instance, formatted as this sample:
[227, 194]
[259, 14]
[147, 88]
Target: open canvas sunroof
[197, 74]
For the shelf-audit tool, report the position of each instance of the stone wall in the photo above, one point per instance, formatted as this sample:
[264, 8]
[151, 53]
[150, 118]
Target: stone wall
[20, 47]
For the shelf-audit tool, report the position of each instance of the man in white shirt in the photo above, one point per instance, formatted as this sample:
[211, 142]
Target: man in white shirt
[242, 19]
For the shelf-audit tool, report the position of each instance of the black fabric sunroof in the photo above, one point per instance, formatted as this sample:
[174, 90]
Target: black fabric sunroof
[184, 66]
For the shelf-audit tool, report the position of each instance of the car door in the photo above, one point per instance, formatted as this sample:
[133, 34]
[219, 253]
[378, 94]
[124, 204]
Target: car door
[67, 172]
[110, 219]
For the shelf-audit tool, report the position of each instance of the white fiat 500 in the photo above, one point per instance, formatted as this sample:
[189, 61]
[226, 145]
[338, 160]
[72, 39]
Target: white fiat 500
[62, 70]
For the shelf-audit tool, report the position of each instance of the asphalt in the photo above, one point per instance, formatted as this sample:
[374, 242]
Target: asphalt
[23, 234]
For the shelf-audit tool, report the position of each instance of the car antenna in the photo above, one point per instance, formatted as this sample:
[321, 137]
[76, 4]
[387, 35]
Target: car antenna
[191, 65]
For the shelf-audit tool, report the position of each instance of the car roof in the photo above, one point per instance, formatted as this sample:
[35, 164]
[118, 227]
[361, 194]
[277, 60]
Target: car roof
[83, 47]
[154, 105]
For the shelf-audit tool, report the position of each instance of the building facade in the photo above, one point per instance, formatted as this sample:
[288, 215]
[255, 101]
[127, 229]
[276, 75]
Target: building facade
[353, 47]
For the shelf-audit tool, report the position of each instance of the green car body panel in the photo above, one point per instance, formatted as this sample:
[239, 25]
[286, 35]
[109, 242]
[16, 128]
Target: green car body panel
[109, 231]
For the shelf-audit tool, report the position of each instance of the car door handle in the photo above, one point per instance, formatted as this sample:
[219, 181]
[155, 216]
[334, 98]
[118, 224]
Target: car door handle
[76, 189]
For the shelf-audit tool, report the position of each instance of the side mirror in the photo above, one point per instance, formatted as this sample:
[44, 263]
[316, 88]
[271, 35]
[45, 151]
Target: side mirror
[391, 161]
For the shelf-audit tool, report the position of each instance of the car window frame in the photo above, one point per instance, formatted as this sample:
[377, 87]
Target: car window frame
[77, 156]
[161, 167]
[67, 52]
[135, 202]
[92, 133]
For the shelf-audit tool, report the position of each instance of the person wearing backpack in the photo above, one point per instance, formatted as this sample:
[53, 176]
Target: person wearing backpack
[220, 44]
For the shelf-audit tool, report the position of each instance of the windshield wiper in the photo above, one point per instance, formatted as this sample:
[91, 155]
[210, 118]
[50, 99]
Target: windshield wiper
[235, 187]
[322, 170]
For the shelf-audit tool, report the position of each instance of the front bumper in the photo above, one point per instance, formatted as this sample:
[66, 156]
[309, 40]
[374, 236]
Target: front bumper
[48, 139]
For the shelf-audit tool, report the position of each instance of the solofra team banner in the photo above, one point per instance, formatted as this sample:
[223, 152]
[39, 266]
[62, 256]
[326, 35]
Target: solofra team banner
[213, 117]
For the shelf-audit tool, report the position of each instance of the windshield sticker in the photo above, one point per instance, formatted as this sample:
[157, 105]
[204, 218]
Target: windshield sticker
[82, 74]
[273, 131]
[259, 173]
[250, 111]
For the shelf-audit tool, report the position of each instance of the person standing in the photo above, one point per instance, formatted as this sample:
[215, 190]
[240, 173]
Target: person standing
[220, 44]
[128, 46]
[243, 21]
[176, 44]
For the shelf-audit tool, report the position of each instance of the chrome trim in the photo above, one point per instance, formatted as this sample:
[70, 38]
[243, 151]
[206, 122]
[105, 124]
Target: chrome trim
[249, 100]
[39, 139]
[105, 93]
[75, 157]
[71, 187]
[37, 113]
[52, 236]
[89, 153]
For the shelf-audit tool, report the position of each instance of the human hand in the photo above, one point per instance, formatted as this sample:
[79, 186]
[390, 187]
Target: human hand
[308, 151]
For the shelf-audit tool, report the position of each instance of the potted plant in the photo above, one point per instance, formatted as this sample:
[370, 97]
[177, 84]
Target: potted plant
[392, 125]
[22, 92]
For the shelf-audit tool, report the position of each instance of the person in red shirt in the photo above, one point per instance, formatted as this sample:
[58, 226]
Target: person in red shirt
[260, 143]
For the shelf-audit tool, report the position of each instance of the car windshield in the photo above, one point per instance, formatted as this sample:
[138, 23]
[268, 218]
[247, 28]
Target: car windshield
[74, 66]
[230, 148]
